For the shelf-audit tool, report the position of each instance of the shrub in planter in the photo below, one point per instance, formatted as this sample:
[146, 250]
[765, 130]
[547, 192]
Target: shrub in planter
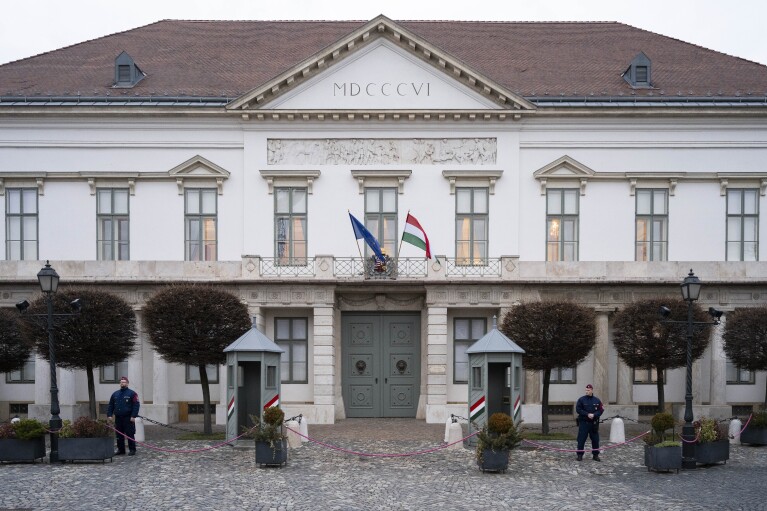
[662, 452]
[713, 445]
[495, 441]
[86, 439]
[756, 430]
[22, 441]
[271, 442]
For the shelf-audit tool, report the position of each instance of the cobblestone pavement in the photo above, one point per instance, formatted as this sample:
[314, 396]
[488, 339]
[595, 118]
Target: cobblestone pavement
[317, 478]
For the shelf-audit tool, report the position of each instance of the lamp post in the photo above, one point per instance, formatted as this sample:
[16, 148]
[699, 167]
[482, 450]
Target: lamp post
[49, 283]
[690, 293]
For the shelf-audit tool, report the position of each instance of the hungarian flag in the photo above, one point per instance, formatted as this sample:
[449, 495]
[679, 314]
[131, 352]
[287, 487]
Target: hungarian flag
[415, 235]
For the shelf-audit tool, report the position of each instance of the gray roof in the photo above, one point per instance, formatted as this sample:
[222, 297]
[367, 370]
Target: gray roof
[494, 342]
[253, 340]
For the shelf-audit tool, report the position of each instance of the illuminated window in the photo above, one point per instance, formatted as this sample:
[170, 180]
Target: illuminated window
[290, 226]
[652, 225]
[471, 221]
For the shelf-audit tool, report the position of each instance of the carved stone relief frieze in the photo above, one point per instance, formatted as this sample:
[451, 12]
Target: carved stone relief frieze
[382, 151]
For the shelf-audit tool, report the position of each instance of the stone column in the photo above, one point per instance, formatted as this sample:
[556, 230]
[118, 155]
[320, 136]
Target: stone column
[42, 408]
[601, 352]
[718, 366]
[625, 389]
[436, 364]
[67, 400]
[136, 360]
[324, 355]
[161, 409]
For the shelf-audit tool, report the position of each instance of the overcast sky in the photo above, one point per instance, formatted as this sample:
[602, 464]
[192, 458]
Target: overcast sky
[735, 27]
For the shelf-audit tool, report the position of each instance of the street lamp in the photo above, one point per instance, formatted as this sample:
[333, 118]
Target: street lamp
[49, 283]
[690, 288]
[690, 293]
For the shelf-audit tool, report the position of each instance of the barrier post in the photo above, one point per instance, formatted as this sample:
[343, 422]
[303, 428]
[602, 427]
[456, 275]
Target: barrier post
[139, 435]
[735, 426]
[617, 431]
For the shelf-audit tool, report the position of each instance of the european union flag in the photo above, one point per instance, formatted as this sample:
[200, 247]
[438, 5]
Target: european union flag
[361, 232]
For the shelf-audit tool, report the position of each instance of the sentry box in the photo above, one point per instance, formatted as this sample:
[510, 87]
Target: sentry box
[252, 380]
[495, 380]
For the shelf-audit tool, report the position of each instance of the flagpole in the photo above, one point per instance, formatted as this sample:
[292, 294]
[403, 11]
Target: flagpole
[358, 245]
[403, 235]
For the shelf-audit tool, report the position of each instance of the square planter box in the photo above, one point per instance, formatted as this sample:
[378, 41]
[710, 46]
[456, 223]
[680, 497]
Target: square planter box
[86, 449]
[754, 436]
[12, 449]
[663, 458]
[268, 455]
[494, 461]
[712, 452]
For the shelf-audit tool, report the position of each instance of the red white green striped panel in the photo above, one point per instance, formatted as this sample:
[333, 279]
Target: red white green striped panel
[517, 407]
[275, 401]
[477, 409]
[230, 408]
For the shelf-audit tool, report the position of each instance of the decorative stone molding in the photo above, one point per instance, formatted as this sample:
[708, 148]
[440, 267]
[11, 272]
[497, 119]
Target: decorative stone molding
[395, 177]
[473, 177]
[198, 168]
[563, 170]
[290, 178]
[742, 181]
[382, 151]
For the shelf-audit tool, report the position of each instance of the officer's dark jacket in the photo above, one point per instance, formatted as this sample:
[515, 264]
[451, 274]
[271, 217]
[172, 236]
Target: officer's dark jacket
[587, 405]
[123, 403]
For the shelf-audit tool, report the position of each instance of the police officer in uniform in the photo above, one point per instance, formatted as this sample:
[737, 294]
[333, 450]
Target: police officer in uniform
[589, 408]
[124, 404]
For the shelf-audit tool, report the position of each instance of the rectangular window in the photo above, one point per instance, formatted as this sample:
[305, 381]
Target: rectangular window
[466, 331]
[476, 377]
[21, 224]
[290, 226]
[563, 375]
[381, 218]
[562, 225]
[271, 377]
[291, 334]
[199, 408]
[652, 225]
[737, 375]
[193, 373]
[742, 225]
[642, 376]
[111, 373]
[517, 377]
[471, 226]
[112, 218]
[230, 376]
[24, 375]
[18, 409]
[200, 224]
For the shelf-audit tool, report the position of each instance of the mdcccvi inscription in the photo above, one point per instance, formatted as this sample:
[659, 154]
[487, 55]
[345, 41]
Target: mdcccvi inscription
[382, 151]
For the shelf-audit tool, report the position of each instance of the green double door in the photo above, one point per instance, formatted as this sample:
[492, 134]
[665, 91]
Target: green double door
[381, 364]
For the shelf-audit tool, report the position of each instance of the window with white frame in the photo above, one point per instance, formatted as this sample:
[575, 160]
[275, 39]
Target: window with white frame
[291, 334]
[471, 226]
[652, 225]
[738, 375]
[563, 375]
[21, 224]
[381, 218]
[200, 224]
[24, 375]
[193, 373]
[112, 373]
[112, 218]
[742, 224]
[290, 220]
[466, 331]
[562, 224]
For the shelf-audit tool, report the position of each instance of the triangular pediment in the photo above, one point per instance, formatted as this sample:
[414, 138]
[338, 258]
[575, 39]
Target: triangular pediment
[381, 66]
[563, 168]
[197, 166]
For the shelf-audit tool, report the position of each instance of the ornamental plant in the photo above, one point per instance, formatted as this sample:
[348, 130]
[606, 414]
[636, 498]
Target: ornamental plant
[269, 429]
[24, 429]
[85, 427]
[661, 423]
[500, 434]
[759, 420]
[709, 430]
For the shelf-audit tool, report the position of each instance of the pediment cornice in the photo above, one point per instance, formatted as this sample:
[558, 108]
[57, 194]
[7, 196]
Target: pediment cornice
[252, 105]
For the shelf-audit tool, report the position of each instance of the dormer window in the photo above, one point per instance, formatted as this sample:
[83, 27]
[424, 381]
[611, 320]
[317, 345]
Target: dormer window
[638, 74]
[127, 73]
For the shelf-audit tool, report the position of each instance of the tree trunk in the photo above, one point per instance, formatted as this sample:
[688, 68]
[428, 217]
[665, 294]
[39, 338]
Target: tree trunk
[207, 429]
[661, 391]
[94, 413]
[545, 402]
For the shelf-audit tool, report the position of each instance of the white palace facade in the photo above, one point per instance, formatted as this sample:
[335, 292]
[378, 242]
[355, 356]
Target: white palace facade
[592, 162]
